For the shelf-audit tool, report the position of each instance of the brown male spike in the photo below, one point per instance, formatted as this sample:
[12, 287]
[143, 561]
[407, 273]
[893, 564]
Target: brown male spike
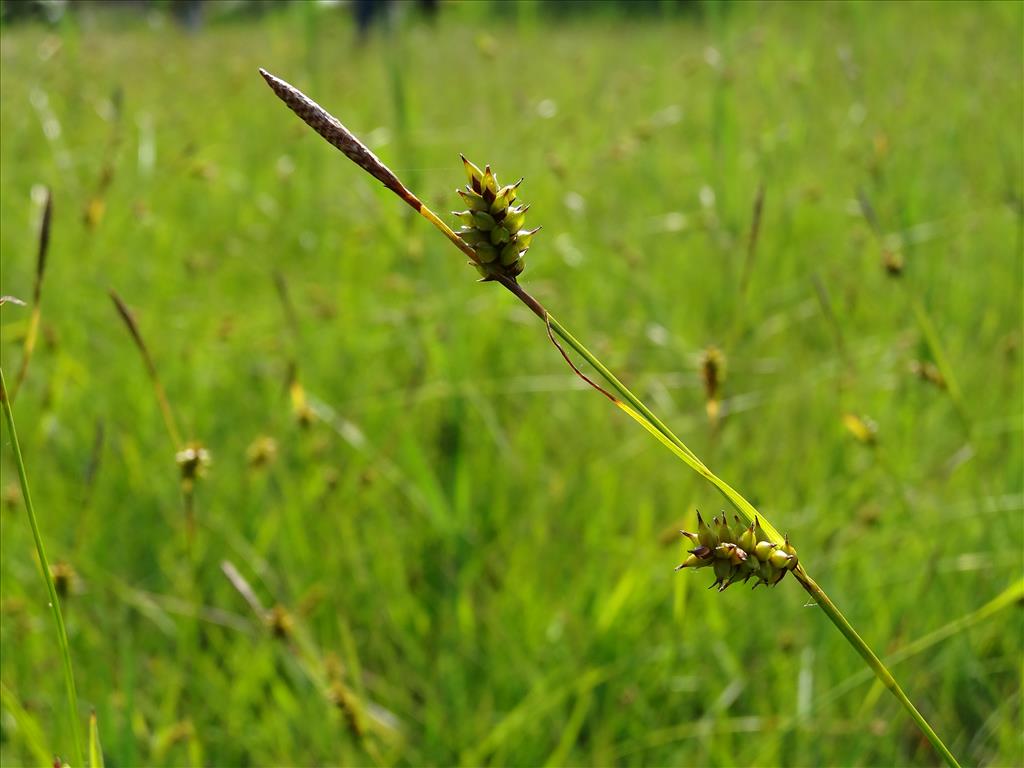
[328, 126]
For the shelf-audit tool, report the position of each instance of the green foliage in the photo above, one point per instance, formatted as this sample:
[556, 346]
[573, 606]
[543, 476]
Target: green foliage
[454, 552]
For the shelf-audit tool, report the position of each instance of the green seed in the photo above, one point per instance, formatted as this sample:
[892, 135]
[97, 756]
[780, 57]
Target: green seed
[483, 221]
[515, 217]
[473, 200]
[510, 255]
[779, 559]
[763, 550]
[472, 236]
[747, 540]
[722, 529]
[504, 197]
[486, 252]
[704, 533]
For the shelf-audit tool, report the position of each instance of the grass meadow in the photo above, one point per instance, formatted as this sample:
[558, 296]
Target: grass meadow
[421, 540]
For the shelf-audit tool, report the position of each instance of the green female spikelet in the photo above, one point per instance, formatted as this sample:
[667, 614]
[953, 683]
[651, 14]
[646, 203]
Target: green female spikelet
[492, 225]
[737, 552]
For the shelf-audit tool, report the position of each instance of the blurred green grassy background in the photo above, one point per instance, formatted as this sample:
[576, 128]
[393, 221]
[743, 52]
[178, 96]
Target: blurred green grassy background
[474, 553]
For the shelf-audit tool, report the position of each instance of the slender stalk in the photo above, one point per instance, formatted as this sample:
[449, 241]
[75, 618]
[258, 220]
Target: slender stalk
[747, 510]
[934, 342]
[336, 134]
[619, 387]
[37, 290]
[881, 671]
[147, 359]
[58, 618]
[924, 320]
[739, 320]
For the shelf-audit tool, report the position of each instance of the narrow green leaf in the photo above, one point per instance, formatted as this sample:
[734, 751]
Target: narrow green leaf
[95, 751]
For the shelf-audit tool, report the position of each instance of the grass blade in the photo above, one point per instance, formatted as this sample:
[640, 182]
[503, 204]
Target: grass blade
[58, 618]
[27, 725]
[95, 750]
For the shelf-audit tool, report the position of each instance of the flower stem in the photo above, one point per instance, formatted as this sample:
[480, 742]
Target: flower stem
[877, 665]
[58, 618]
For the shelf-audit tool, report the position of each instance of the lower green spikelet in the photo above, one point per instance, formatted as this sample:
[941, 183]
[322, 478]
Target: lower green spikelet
[738, 552]
[492, 225]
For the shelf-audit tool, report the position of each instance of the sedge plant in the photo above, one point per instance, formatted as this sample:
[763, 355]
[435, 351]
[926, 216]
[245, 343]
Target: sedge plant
[192, 457]
[494, 239]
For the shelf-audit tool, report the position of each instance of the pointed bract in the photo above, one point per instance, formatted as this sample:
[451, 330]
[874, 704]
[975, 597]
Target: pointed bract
[475, 175]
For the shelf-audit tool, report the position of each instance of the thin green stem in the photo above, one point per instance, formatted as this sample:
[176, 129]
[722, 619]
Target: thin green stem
[934, 342]
[58, 618]
[881, 671]
[646, 417]
[744, 507]
[618, 386]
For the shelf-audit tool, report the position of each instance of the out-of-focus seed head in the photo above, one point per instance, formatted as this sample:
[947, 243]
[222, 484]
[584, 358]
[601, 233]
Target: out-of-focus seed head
[65, 578]
[280, 622]
[261, 451]
[929, 372]
[301, 409]
[864, 429]
[491, 225]
[192, 461]
[712, 372]
[11, 495]
[893, 262]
